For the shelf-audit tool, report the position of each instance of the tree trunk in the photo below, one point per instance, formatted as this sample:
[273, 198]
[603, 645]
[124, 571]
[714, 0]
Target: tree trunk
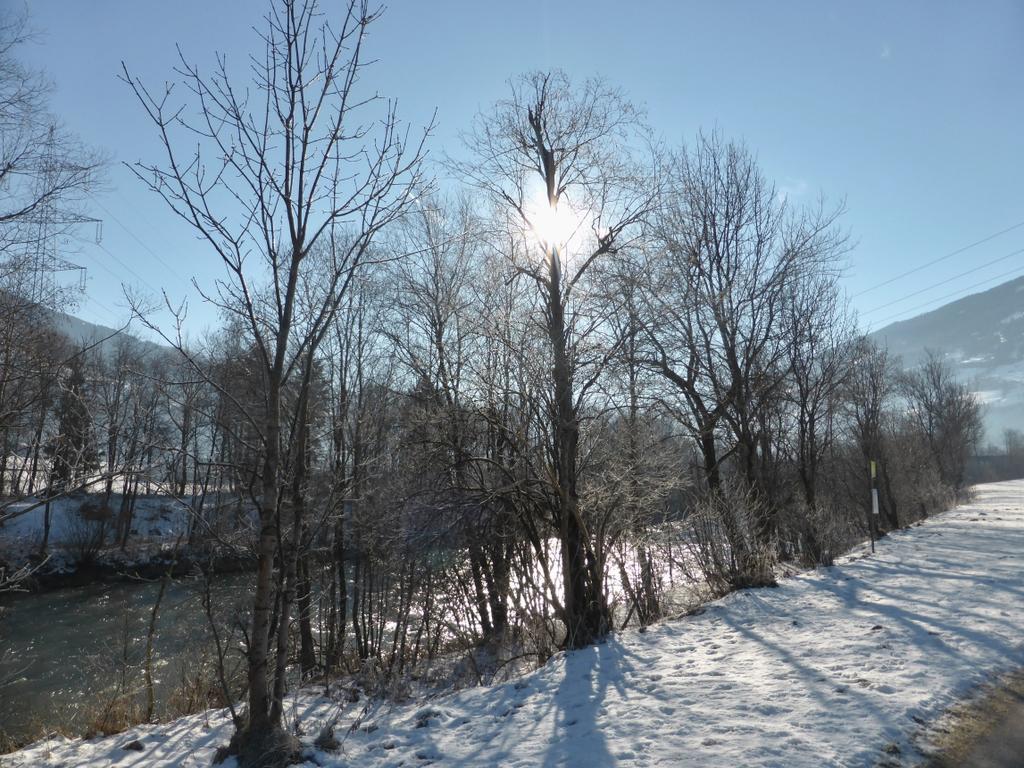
[259, 714]
[709, 453]
[476, 568]
[303, 601]
[585, 612]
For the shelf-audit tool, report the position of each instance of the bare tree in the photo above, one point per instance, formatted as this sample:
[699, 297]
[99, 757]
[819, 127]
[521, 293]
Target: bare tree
[302, 161]
[820, 352]
[436, 329]
[555, 161]
[869, 394]
[820, 338]
[728, 252]
[634, 455]
[45, 172]
[947, 416]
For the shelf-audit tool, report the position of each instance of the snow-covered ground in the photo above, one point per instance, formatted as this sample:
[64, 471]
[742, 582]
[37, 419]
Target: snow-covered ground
[839, 667]
[158, 522]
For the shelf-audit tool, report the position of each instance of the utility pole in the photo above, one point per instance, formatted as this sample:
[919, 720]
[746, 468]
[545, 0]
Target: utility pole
[873, 519]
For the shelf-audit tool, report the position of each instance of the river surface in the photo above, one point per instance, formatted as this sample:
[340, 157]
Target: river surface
[63, 652]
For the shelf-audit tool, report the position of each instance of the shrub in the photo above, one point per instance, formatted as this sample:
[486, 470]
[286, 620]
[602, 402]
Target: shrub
[84, 537]
[722, 541]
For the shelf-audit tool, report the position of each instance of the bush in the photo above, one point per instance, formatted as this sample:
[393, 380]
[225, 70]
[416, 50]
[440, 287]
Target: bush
[84, 537]
[917, 483]
[821, 533]
[93, 511]
[722, 542]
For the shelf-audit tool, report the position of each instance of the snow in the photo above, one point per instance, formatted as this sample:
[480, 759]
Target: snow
[158, 521]
[838, 667]
[158, 516]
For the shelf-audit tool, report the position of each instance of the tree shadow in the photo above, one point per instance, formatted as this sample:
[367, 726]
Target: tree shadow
[577, 736]
[566, 716]
[923, 630]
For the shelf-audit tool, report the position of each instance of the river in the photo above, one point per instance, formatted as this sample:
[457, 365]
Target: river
[64, 652]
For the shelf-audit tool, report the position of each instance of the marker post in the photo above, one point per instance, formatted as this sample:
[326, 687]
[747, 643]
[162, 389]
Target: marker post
[873, 519]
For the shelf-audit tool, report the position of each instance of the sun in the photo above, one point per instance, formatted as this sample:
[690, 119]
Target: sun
[554, 226]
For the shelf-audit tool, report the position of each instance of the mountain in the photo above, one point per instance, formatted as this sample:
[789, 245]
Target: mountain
[82, 333]
[982, 336]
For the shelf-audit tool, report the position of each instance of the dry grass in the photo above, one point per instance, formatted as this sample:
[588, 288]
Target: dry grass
[974, 722]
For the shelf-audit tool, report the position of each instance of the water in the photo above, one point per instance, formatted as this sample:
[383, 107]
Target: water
[63, 653]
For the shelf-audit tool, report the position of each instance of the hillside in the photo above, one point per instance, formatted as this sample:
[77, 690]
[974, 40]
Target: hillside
[983, 336]
[82, 333]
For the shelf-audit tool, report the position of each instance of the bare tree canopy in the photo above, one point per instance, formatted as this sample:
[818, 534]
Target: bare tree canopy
[293, 175]
[45, 172]
[557, 163]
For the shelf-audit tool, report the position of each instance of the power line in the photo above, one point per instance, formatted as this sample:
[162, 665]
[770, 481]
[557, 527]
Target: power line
[139, 277]
[940, 259]
[944, 282]
[124, 201]
[103, 309]
[138, 240]
[959, 293]
[97, 263]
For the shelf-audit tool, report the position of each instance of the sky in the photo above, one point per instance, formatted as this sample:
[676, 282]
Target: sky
[910, 112]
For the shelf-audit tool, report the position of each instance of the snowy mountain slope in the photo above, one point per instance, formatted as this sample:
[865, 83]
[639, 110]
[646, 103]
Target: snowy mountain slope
[838, 667]
[82, 333]
[983, 336]
[984, 328]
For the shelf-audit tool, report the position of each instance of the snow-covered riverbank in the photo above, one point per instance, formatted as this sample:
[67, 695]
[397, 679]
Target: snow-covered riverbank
[82, 546]
[837, 667]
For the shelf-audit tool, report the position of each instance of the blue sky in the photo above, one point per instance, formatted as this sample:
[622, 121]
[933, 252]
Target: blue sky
[911, 111]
